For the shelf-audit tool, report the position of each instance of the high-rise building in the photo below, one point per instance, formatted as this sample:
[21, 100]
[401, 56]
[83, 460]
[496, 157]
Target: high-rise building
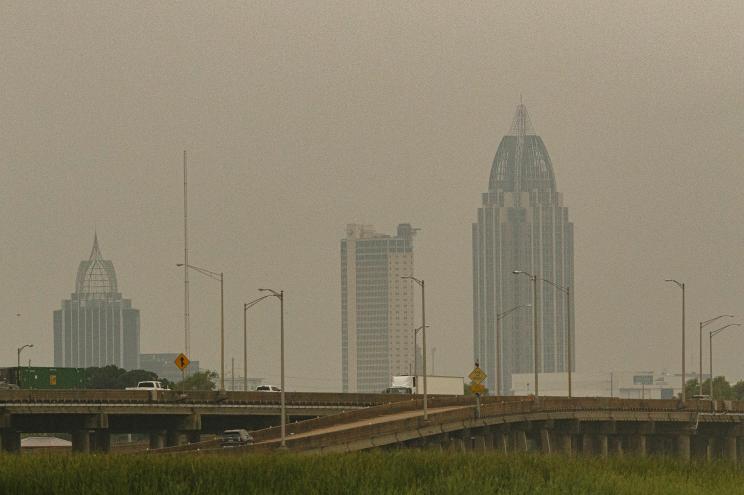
[377, 321]
[96, 326]
[522, 225]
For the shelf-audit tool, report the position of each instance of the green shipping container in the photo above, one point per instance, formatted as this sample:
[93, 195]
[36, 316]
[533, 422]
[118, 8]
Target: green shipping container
[37, 377]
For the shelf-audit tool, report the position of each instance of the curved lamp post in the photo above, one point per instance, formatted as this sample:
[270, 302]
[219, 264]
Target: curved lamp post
[280, 295]
[423, 338]
[703, 324]
[681, 285]
[713, 333]
[20, 349]
[536, 339]
[498, 343]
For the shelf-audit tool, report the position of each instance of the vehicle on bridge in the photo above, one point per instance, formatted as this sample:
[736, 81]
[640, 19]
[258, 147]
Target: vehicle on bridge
[268, 388]
[148, 385]
[236, 438]
[435, 385]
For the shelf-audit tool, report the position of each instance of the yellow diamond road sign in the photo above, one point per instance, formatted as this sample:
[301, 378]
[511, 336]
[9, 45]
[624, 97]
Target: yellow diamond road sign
[182, 361]
[477, 388]
[477, 375]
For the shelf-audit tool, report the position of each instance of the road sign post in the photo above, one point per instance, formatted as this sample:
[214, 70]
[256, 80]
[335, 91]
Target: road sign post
[182, 363]
[477, 376]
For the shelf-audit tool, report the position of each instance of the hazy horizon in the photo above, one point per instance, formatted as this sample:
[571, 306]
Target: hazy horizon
[302, 117]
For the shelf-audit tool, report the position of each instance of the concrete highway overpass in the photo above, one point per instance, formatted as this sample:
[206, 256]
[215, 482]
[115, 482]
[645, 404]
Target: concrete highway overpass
[170, 418]
[589, 426]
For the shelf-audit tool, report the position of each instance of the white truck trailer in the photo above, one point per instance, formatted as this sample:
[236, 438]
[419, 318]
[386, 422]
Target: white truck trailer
[435, 385]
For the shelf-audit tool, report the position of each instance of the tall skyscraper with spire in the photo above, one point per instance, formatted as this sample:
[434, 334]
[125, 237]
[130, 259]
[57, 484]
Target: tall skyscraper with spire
[522, 225]
[96, 326]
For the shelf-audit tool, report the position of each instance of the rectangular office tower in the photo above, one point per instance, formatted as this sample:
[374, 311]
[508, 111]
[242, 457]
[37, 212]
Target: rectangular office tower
[96, 326]
[522, 226]
[377, 321]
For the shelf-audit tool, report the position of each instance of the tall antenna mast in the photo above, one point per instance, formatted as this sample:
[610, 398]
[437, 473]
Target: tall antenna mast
[187, 337]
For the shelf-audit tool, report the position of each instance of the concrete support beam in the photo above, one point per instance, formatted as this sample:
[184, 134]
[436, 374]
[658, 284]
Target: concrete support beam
[545, 446]
[172, 438]
[602, 447]
[490, 439]
[637, 444]
[81, 441]
[587, 444]
[683, 447]
[11, 441]
[729, 448]
[520, 440]
[501, 441]
[102, 441]
[616, 445]
[157, 439]
[564, 441]
[479, 443]
[193, 436]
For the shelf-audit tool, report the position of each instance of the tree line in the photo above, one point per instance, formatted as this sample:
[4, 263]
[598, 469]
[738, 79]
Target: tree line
[113, 377]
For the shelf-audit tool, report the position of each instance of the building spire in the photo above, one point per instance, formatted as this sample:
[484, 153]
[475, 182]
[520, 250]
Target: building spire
[521, 123]
[95, 253]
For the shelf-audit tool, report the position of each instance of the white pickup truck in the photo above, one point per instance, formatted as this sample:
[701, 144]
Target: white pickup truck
[148, 386]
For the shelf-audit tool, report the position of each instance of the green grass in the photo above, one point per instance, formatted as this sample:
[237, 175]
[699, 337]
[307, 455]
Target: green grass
[410, 472]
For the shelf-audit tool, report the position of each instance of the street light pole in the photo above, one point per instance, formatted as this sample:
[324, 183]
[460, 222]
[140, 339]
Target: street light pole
[536, 340]
[280, 295]
[702, 324]
[415, 355]
[498, 344]
[566, 290]
[220, 277]
[246, 307]
[18, 370]
[713, 333]
[682, 286]
[423, 338]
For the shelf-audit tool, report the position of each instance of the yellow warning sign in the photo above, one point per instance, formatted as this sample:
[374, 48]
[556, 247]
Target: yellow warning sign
[477, 375]
[182, 361]
[477, 388]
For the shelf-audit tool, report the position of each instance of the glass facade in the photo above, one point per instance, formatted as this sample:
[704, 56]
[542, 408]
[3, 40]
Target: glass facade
[96, 326]
[521, 225]
[376, 307]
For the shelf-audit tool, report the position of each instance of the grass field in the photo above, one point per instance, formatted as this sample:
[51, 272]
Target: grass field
[364, 473]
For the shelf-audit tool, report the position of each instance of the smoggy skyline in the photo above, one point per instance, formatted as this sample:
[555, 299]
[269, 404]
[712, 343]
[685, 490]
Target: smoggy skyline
[300, 118]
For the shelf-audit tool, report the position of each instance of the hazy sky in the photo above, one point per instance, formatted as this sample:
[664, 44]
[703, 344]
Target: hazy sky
[302, 117]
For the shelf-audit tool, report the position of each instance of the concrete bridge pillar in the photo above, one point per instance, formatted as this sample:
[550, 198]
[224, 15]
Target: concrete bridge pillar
[11, 440]
[193, 436]
[520, 440]
[545, 446]
[637, 444]
[102, 441]
[501, 441]
[172, 438]
[602, 445]
[564, 442]
[729, 448]
[587, 444]
[157, 439]
[479, 443]
[683, 447]
[81, 441]
[616, 445]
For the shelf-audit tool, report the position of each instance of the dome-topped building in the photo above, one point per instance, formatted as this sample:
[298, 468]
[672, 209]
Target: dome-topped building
[96, 278]
[522, 225]
[522, 162]
[96, 326]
